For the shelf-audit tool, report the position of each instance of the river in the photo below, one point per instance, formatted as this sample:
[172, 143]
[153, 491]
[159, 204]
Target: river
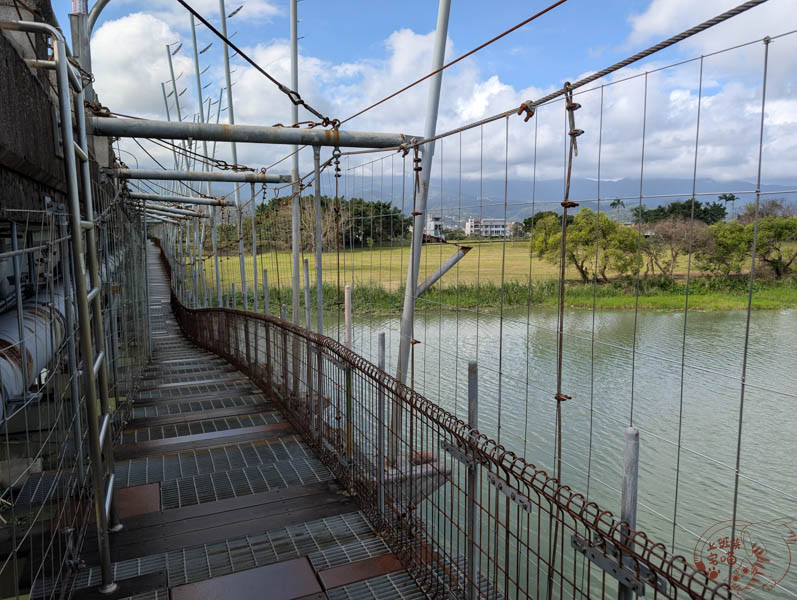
[623, 368]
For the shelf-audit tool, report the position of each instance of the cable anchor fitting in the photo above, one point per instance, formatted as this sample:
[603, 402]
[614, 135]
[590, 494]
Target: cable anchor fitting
[525, 108]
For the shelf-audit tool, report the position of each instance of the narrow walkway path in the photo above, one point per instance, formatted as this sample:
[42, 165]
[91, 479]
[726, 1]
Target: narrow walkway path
[221, 499]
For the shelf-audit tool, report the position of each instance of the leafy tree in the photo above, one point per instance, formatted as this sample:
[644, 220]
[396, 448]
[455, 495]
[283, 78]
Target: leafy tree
[726, 249]
[777, 243]
[708, 213]
[530, 222]
[591, 234]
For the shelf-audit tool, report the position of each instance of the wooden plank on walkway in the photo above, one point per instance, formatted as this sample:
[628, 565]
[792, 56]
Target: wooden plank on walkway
[359, 571]
[285, 580]
[200, 440]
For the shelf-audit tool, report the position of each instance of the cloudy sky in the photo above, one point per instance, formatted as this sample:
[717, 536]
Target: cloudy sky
[353, 53]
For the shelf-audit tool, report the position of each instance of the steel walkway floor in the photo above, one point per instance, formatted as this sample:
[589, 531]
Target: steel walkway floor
[221, 499]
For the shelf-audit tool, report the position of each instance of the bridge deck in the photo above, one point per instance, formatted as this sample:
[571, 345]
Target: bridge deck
[219, 497]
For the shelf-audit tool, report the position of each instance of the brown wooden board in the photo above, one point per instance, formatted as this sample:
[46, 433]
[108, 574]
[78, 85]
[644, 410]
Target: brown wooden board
[214, 527]
[359, 571]
[287, 580]
[200, 440]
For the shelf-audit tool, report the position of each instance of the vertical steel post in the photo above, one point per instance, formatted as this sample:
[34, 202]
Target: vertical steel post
[254, 249]
[233, 147]
[629, 494]
[146, 281]
[69, 296]
[285, 391]
[319, 286]
[15, 261]
[472, 501]
[265, 291]
[347, 317]
[308, 319]
[84, 319]
[419, 210]
[234, 298]
[295, 232]
[380, 424]
[215, 241]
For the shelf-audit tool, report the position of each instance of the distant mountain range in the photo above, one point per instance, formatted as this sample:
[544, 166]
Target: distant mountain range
[459, 205]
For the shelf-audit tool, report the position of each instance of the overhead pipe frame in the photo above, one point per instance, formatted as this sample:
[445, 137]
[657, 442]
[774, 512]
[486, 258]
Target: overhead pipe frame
[222, 176]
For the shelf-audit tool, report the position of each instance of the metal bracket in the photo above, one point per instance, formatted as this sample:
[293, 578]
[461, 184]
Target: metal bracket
[623, 567]
[513, 494]
[458, 453]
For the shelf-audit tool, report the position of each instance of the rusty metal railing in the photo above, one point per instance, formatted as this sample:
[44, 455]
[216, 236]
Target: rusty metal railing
[517, 532]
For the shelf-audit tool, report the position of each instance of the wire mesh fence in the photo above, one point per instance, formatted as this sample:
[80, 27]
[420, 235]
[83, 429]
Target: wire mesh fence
[469, 518]
[46, 500]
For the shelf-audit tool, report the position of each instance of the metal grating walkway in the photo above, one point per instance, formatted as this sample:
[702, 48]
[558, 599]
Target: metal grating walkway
[237, 488]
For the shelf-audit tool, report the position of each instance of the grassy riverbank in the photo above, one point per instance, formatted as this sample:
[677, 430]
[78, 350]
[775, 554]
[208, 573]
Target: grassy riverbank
[377, 276]
[704, 295]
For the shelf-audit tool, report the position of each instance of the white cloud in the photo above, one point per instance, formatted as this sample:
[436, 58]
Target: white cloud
[129, 82]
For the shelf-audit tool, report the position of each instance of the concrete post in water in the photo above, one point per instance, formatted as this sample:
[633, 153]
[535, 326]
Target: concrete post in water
[629, 492]
[472, 501]
[233, 299]
[265, 291]
[347, 339]
[319, 288]
[380, 424]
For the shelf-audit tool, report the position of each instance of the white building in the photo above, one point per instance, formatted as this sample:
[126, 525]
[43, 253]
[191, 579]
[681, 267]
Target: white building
[488, 227]
[434, 226]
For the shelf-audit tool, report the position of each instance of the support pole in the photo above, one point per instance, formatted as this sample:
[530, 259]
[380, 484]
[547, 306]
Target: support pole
[265, 291]
[347, 340]
[472, 516]
[146, 282]
[234, 149]
[206, 176]
[295, 232]
[254, 250]
[381, 422]
[307, 313]
[66, 270]
[419, 211]
[319, 282]
[629, 493]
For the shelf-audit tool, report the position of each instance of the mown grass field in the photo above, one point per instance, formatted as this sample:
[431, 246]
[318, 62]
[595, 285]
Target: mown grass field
[377, 276]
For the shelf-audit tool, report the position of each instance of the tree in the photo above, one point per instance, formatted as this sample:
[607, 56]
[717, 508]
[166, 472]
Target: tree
[732, 198]
[530, 222]
[671, 238]
[616, 204]
[772, 207]
[776, 243]
[726, 248]
[708, 213]
[591, 236]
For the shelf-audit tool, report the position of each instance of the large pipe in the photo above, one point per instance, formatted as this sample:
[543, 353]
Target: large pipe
[231, 176]
[255, 134]
[178, 199]
[442, 270]
[419, 220]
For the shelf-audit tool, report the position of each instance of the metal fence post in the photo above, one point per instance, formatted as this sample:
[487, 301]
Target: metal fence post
[284, 315]
[380, 436]
[265, 291]
[69, 316]
[629, 494]
[307, 312]
[472, 501]
[254, 250]
[319, 284]
[347, 317]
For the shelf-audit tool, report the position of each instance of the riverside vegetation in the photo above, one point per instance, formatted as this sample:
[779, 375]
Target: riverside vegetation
[649, 264]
